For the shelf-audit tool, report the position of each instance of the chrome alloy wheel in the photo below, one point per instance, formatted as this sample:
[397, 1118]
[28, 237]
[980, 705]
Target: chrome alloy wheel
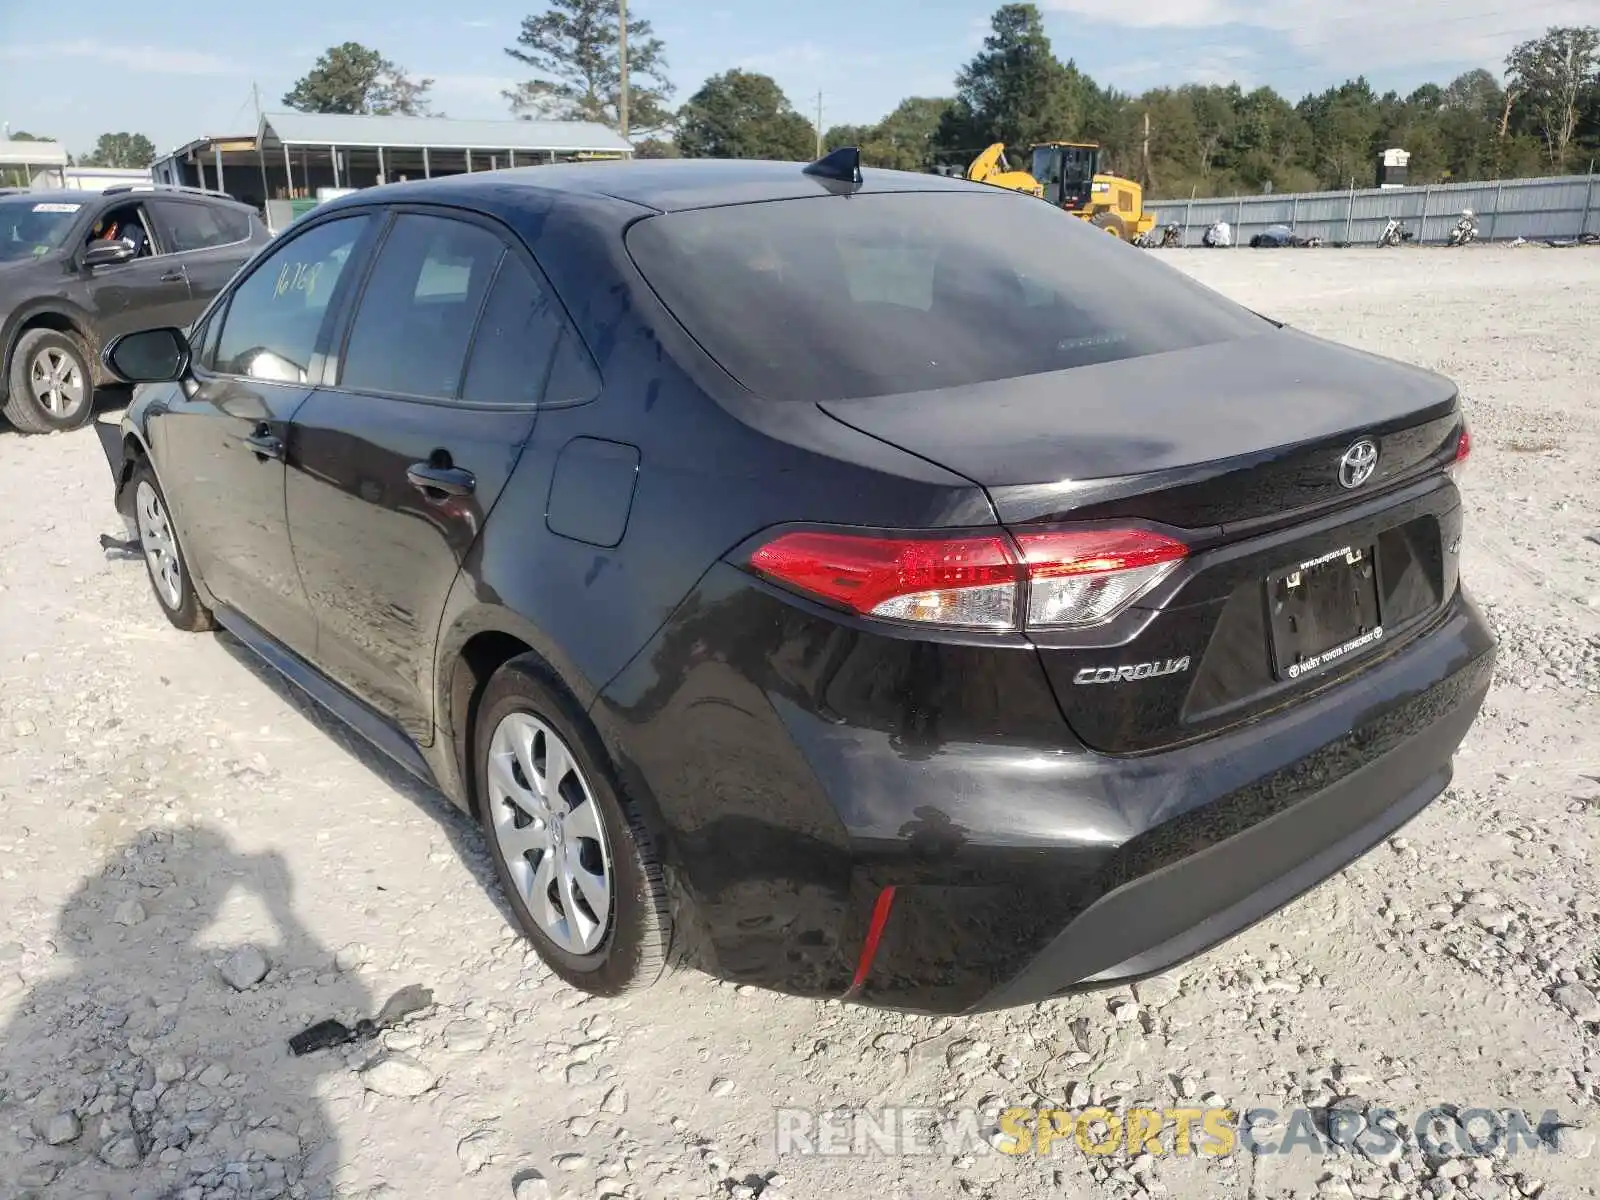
[550, 833]
[160, 546]
[57, 382]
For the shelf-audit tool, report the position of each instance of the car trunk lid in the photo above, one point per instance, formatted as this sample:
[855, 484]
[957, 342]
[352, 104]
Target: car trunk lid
[1220, 435]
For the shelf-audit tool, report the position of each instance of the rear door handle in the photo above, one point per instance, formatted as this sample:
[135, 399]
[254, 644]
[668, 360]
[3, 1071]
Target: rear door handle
[264, 444]
[176, 275]
[450, 481]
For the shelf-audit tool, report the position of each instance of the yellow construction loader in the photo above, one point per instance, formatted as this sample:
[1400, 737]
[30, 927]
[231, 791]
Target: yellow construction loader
[1067, 174]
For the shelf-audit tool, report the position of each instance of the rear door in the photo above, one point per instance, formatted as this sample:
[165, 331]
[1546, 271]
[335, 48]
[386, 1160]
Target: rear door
[211, 241]
[221, 448]
[404, 450]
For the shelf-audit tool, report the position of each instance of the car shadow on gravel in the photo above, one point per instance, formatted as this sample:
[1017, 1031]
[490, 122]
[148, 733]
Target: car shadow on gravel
[466, 838]
[150, 1056]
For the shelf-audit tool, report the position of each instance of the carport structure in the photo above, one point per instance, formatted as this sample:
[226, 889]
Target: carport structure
[24, 164]
[319, 150]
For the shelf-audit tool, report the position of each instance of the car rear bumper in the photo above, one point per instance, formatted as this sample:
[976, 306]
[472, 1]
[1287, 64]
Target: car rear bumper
[1177, 911]
[1216, 852]
[845, 763]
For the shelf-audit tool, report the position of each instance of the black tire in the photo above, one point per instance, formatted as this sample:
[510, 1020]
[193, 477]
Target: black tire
[186, 611]
[24, 409]
[633, 953]
[1112, 224]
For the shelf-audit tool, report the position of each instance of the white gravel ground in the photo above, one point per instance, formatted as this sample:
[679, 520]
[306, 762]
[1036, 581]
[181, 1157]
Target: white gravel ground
[164, 803]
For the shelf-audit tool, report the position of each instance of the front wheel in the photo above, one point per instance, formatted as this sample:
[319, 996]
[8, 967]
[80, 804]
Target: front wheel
[1112, 224]
[164, 560]
[578, 866]
[50, 384]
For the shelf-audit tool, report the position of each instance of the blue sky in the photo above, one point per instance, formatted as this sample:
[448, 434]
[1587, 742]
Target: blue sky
[166, 76]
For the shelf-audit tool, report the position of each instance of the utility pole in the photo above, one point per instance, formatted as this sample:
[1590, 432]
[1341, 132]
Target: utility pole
[622, 63]
[255, 99]
[1145, 170]
[819, 124]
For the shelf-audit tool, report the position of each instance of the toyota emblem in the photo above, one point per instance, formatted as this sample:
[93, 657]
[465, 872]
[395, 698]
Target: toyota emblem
[1358, 463]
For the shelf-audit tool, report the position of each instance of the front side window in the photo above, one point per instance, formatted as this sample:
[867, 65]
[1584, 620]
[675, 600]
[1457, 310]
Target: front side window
[836, 297]
[124, 223]
[274, 316]
[411, 332]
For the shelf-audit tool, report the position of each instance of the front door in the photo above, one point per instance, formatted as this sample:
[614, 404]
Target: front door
[149, 291]
[400, 460]
[232, 432]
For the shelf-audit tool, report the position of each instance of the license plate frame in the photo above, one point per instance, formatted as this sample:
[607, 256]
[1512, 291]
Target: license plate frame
[1323, 610]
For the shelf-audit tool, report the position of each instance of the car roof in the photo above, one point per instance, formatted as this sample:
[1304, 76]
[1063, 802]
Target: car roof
[52, 196]
[117, 195]
[664, 185]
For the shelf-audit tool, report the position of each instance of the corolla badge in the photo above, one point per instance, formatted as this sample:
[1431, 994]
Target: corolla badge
[1358, 463]
[1149, 670]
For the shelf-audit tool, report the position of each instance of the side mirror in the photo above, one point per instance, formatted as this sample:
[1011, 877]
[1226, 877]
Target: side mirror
[148, 356]
[108, 254]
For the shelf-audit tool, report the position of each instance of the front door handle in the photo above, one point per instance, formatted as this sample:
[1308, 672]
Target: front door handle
[265, 444]
[174, 276]
[433, 481]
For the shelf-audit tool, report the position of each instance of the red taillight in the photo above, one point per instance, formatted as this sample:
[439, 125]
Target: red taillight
[970, 581]
[1062, 579]
[1463, 452]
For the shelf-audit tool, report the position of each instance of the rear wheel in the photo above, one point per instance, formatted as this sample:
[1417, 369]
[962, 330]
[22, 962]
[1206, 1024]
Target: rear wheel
[579, 868]
[51, 385]
[1112, 224]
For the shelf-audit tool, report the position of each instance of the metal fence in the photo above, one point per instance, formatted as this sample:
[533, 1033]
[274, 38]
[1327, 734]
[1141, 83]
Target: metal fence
[1558, 208]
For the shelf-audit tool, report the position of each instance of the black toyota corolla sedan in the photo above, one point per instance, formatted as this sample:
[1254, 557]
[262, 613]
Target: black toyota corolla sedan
[855, 583]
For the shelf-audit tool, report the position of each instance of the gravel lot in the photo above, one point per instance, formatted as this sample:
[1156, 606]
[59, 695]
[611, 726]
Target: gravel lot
[176, 821]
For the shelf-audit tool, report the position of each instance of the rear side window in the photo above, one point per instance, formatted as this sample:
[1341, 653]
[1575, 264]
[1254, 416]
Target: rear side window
[414, 325]
[834, 297]
[515, 340]
[202, 226]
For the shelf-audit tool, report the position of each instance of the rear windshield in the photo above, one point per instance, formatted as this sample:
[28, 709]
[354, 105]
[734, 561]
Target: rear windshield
[30, 226]
[848, 296]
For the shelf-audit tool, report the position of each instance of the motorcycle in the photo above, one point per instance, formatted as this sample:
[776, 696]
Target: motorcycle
[1220, 234]
[1160, 239]
[1466, 229]
[1394, 233]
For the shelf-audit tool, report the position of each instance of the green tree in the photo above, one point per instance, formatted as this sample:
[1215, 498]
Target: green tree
[654, 147]
[124, 150]
[902, 141]
[573, 48]
[1469, 117]
[1014, 91]
[352, 78]
[743, 114]
[1554, 76]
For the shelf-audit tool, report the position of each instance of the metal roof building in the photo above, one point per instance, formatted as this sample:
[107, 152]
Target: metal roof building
[298, 157]
[21, 163]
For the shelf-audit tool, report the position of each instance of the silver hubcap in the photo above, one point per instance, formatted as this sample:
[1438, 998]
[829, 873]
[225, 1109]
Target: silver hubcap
[160, 547]
[57, 382]
[549, 830]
